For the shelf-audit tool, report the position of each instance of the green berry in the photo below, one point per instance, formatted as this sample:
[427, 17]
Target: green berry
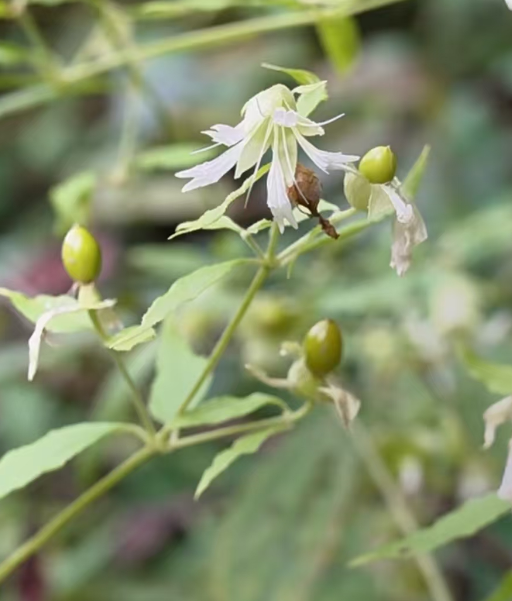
[378, 165]
[357, 191]
[81, 255]
[323, 346]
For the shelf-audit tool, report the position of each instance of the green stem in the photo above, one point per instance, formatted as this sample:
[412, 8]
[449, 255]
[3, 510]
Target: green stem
[48, 65]
[35, 543]
[225, 339]
[399, 509]
[138, 401]
[196, 40]
[310, 240]
[284, 421]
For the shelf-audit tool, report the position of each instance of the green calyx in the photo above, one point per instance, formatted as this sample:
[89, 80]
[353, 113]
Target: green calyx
[81, 255]
[357, 191]
[378, 165]
[323, 346]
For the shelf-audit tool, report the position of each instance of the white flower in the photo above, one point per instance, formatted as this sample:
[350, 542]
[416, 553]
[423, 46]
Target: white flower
[496, 415]
[409, 229]
[509, 3]
[271, 119]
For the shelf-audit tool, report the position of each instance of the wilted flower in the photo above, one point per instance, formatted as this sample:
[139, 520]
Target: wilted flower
[379, 200]
[271, 119]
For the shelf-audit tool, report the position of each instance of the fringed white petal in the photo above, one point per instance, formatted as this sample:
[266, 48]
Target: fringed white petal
[505, 489]
[277, 197]
[323, 159]
[225, 134]
[211, 171]
[497, 414]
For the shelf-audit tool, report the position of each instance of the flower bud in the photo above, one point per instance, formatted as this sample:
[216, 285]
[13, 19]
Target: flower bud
[378, 165]
[323, 347]
[81, 255]
[357, 191]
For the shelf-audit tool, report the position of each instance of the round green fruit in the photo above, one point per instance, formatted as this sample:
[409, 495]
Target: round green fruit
[323, 347]
[378, 165]
[81, 255]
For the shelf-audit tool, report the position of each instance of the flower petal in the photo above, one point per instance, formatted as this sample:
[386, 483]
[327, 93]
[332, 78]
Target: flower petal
[379, 204]
[496, 415]
[405, 237]
[505, 489]
[403, 208]
[211, 171]
[277, 197]
[254, 147]
[225, 134]
[323, 159]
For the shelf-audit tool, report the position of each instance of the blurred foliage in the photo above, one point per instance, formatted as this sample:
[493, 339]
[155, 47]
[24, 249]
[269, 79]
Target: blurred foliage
[286, 523]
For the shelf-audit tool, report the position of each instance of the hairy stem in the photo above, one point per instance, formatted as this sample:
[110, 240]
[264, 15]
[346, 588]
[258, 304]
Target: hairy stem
[35, 543]
[399, 509]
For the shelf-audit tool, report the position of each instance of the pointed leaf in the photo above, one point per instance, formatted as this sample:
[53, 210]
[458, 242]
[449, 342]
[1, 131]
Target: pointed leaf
[23, 465]
[177, 370]
[33, 307]
[463, 522]
[129, 338]
[221, 409]
[210, 217]
[71, 199]
[301, 76]
[341, 41]
[412, 182]
[496, 377]
[243, 446]
[171, 157]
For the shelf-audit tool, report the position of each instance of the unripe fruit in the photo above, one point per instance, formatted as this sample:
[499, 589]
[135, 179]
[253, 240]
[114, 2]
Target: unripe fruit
[357, 191]
[323, 346]
[378, 165]
[81, 255]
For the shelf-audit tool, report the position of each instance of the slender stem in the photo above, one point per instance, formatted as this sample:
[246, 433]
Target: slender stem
[138, 401]
[127, 49]
[225, 339]
[35, 543]
[297, 248]
[195, 40]
[399, 509]
[284, 421]
[34, 35]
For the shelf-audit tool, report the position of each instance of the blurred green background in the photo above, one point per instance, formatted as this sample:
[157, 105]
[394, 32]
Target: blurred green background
[284, 524]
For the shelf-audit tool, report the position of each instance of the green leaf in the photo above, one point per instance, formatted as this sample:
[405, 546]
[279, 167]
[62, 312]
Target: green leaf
[310, 97]
[222, 409]
[495, 376]
[412, 182]
[71, 200]
[504, 590]
[259, 226]
[177, 370]
[182, 291]
[246, 445]
[43, 323]
[127, 339]
[222, 223]
[461, 523]
[34, 307]
[294, 506]
[25, 464]
[171, 157]
[341, 41]
[209, 218]
[301, 76]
